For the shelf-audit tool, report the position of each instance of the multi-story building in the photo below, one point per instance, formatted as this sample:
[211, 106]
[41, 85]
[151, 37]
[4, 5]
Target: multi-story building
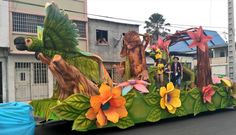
[106, 40]
[22, 77]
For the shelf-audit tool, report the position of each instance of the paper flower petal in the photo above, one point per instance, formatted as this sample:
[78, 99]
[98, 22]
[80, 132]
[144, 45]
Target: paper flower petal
[126, 90]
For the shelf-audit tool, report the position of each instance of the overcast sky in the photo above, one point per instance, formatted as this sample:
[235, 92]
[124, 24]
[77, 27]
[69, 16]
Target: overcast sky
[182, 12]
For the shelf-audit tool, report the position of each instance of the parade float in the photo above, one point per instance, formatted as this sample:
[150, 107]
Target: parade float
[85, 94]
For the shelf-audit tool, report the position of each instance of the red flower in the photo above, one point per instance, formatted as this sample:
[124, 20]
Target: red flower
[207, 92]
[163, 44]
[199, 39]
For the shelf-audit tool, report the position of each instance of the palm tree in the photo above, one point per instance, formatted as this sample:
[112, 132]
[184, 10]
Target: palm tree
[155, 26]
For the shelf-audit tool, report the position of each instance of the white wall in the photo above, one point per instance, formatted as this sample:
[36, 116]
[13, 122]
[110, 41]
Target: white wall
[4, 83]
[11, 75]
[4, 24]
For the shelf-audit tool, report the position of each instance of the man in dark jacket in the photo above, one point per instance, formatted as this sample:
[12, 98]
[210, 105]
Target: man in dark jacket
[177, 72]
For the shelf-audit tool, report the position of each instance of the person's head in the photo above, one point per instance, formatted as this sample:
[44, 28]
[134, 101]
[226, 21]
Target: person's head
[176, 59]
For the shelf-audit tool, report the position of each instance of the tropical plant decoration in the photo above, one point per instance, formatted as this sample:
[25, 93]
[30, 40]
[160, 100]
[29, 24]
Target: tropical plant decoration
[108, 106]
[170, 98]
[225, 80]
[207, 92]
[163, 44]
[139, 85]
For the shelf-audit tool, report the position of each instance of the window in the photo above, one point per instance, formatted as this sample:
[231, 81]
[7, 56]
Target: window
[82, 28]
[22, 76]
[222, 53]
[40, 73]
[101, 37]
[26, 22]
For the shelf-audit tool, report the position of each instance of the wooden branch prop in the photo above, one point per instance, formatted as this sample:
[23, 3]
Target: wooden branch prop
[69, 78]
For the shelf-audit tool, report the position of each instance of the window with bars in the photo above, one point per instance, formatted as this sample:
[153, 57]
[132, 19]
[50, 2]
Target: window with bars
[82, 28]
[26, 22]
[40, 73]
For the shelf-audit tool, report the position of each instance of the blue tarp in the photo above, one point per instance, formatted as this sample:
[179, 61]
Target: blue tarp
[16, 119]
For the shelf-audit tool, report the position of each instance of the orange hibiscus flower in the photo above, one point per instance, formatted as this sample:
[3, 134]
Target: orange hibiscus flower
[109, 105]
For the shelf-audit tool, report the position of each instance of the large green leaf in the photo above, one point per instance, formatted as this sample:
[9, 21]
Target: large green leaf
[183, 95]
[82, 123]
[154, 115]
[211, 106]
[65, 111]
[180, 111]
[221, 91]
[78, 101]
[129, 99]
[125, 123]
[224, 102]
[197, 106]
[195, 93]
[233, 101]
[152, 99]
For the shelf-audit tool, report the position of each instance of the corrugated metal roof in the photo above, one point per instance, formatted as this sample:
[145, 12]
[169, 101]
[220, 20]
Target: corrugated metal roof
[216, 41]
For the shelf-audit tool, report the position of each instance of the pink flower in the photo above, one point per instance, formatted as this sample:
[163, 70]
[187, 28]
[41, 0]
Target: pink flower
[207, 92]
[153, 47]
[216, 79]
[163, 44]
[199, 39]
[139, 85]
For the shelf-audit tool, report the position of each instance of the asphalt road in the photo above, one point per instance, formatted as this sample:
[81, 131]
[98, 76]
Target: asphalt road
[221, 122]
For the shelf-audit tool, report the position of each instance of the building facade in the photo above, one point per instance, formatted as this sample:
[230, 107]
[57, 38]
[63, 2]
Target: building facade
[23, 77]
[106, 40]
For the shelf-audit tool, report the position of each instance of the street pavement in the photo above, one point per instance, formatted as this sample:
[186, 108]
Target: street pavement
[221, 122]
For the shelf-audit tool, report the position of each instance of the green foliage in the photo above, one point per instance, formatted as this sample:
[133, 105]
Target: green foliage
[180, 111]
[195, 93]
[197, 106]
[59, 32]
[152, 99]
[78, 101]
[221, 91]
[81, 123]
[125, 123]
[66, 112]
[155, 23]
[129, 99]
[42, 108]
[72, 107]
[127, 69]
[211, 106]
[233, 101]
[87, 66]
[183, 95]
[224, 102]
[154, 115]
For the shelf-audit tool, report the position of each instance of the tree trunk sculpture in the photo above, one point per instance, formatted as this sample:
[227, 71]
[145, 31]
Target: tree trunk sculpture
[134, 50]
[203, 68]
[69, 78]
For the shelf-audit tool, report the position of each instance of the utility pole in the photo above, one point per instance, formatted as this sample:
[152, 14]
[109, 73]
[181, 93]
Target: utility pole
[231, 42]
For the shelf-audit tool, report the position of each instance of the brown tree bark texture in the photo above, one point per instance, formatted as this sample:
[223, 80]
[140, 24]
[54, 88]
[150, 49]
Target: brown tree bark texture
[69, 78]
[203, 68]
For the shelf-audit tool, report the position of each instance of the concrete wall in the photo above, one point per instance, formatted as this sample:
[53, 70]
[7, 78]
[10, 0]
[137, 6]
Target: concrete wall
[4, 24]
[110, 52]
[217, 51]
[11, 74]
